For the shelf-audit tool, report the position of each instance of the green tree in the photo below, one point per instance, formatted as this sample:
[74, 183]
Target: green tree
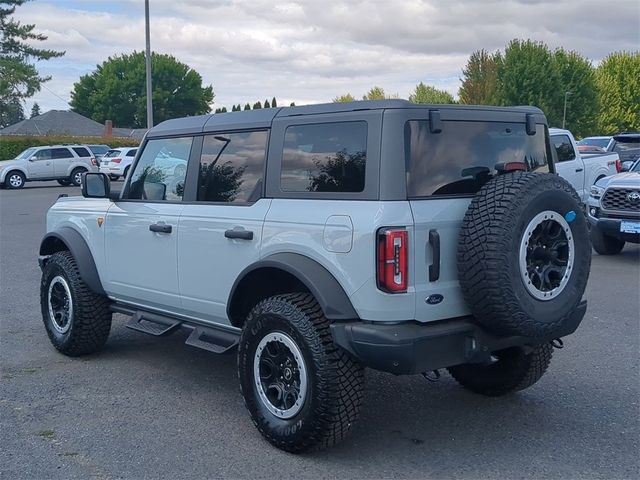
[116, 90]
[378, 93]
[618, 82]
[267, 104]
[480, 81]
[247, 106]
[19, 78]
[528, 76]
[577, 76]
[11, 112]
[257, 105]
[292, 104]
[273, 102]
[35, 110]
[428, 94]
[344, 98]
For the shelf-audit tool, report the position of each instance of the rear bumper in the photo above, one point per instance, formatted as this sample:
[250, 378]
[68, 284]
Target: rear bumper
[410, 347]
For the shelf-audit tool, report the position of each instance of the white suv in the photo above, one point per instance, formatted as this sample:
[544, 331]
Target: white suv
[320, 240]
[116, 162]
[64, 163]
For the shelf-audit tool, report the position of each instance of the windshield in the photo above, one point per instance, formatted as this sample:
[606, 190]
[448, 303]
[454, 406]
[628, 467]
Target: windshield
[628, 149]
[635, 167]
[112, 153]
[27, 153]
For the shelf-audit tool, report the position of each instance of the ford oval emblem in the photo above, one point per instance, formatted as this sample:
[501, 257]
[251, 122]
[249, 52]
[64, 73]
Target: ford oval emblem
[434, 299]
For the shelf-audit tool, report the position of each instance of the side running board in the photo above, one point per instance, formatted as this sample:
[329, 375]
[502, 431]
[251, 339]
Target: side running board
[216, 340]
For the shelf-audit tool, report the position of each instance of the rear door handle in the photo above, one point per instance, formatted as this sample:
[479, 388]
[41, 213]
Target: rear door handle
[434, 268]
[579, 169]
[239, 233]
[160, 228]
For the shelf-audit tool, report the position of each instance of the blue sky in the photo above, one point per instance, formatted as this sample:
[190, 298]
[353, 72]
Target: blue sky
[312, 51]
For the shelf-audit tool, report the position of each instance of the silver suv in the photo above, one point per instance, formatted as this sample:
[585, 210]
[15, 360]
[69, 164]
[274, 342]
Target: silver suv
[64, 163]
[324, 239]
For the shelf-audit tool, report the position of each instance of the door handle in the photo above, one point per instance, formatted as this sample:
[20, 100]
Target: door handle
[579, 169]
[239, 233]
[434, 268]
[160, 228]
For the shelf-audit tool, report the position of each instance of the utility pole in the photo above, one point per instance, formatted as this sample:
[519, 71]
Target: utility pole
[148, 66]
[564, 113]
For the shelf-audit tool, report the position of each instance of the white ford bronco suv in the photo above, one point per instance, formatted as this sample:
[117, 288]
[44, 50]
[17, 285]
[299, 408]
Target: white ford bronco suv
[323, 239]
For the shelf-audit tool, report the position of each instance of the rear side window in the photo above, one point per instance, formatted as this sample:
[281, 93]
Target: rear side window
[81, 151]
[60, 153]
[112, 154]
[232, 167]
[564, 148]
[327, 157]
[465, 155]
[131, 153]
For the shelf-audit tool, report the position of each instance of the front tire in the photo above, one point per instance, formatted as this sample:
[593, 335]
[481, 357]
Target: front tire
[604, 244]
[300, 389]
[14, 180]
[513, 369]
[77, 320]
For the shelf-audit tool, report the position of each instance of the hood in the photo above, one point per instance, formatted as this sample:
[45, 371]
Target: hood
[8, 163]
[624, 180]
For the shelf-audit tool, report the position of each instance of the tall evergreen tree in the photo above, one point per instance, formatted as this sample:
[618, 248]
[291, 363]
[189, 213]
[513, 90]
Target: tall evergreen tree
[35, 110]
[257, 105]
[11, 112]
[273, 102]
[267, 104]
[247, 106]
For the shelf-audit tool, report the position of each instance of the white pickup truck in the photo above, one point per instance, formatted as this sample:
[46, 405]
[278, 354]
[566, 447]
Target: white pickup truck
[581, 171]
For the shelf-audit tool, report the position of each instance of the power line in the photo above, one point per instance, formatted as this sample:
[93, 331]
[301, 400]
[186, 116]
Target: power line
[55, 94]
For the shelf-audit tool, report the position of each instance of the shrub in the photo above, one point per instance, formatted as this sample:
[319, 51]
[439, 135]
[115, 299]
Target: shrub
[12, 145]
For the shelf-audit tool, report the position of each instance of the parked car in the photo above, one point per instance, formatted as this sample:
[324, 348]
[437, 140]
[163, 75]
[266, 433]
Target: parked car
[116, 162]
[581, 170]
[614, 211]
[601, 141]
[319, 240]
[627, 146]
[99, 151]
[64, 163]
[588, 149]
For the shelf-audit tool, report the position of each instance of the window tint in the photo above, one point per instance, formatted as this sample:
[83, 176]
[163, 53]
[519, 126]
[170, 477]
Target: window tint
[465, 155]
[61, 153]
[44, 154]
[161, 170]
[596, 142]
[232, 167]
[81, 151]
[131, 153]
[327, 157]
[112, 154]
[563, 147]
[98, 149]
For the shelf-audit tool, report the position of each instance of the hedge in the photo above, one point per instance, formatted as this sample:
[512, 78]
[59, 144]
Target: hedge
[11, 146]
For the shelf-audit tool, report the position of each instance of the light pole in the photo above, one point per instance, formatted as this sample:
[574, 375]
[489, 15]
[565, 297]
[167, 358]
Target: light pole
[564, 113]
[148, 65]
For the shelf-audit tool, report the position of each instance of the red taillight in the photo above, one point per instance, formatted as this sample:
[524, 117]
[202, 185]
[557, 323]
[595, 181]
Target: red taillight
[94, 162]
[392, 260]
[115, 160]
[618, 166]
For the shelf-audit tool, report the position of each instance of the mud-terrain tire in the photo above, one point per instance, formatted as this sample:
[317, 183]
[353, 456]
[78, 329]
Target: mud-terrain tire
[514, 369]
[329, 404]
[524, 255]
[77, 320]
[604, 244]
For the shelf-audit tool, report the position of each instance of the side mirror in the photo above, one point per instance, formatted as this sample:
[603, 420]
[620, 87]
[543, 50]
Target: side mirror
[95, 185]
[626, 166]
[33, 159]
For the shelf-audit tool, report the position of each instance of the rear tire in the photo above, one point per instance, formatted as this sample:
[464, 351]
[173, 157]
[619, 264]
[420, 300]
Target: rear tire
[323, 400]
[513, 370]
[125, 173]
[77, 320]
[65, 182]
[76, 176]
[14, 180]
[604, 244]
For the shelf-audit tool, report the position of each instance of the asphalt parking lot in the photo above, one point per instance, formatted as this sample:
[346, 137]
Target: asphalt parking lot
[155, 408]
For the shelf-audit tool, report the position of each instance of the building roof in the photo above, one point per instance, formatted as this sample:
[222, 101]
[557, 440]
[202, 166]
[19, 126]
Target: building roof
[65, 122]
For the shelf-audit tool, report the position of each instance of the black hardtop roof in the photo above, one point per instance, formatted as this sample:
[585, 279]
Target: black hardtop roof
[262, 118]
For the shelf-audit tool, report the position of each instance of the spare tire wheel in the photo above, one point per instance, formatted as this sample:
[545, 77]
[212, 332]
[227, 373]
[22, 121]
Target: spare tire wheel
[524, 254]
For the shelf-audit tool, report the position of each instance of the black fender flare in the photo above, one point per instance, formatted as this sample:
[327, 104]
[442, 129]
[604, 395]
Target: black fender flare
[319, 281]
[76, 244]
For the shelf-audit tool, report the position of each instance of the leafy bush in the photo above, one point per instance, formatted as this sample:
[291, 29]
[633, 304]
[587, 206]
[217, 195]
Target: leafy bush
[11, 146]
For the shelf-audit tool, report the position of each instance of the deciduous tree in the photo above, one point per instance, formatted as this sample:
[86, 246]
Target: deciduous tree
[618, 81]
[480, 81]
[428, 94]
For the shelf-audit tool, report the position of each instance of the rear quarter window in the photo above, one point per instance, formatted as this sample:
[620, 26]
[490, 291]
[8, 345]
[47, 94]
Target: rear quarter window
[81, 151]
[465, 155]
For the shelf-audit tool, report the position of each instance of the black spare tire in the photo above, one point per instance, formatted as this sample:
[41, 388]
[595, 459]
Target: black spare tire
[524, 255]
